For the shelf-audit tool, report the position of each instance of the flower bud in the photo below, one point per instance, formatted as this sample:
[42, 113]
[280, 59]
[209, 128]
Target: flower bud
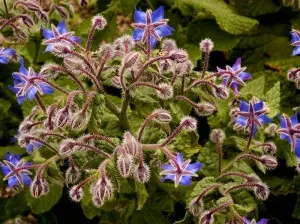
[262, 192]
[271, 130]
[142, 172]
[25, 126]
[233, 112]
[168, 45]
[127, 43]
[116, 81]
[190, 123]
[269, 162]
[21, 35]
[293, 74]
[221, 92]
[99, 22]
[80, 121]
[83, 3]
[195, 207]
[76, 193]
[66, 147]
[131, 58]
[179, 56]
[73, 174]
[61, 11]
[217, 136]
[39, 187]
[49, 122]
[106, 51]
[63, 116]
[27, 20]
[131, 145]
[124, 163]
[166, 91]
[206, 45]
[61, 49]
[162, 116]
[206, 218]
[101, 190]
[269, 148]
[43, 16]
[205, 109]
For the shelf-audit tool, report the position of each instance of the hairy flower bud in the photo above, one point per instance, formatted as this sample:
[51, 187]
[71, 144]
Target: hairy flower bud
[61, 49]
[269, 162]
[206, 45]
[269, 148]
[21, 35]
[131, 58]
[195, 207]
[205, 109]
[221, 92]
[124, 162]
[39, 187]
[61, 11]
[66, 147]
[166, 91]
[217, 136]
[63, 116]
[131, 145]
[271, 130]
[99, 22]
[101, 190]
[293, 74]
[262, 192]
[106, 51]
[179, 56]
[80, 121]
[83, 3]
[116, 81]
[76, 193]
[189, 123]
[162, 116]
[142, 172]
[168, 45]
[43, 16]
[27, 20]
[206, 218]
[25, 126]
[127, 43]
[51, 112]
[73, 174]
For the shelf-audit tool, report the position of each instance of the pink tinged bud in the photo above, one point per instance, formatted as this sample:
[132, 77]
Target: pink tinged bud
[27, 20]
[271, 130]
[124, 163]
[293, 74]
[73, 175]
[233, 112]
[60, 49]
[205, 109]
[106, 51]
[195, 207]
[83, 3]
[269, 162]
[178, 56]
[168, 45]
[80, 121]
[62, 11]
[142, 172]
[189, 123]
[63, 116]
[127, 43]
[99, 22]
[101, 190]
[25, 126]
[116, 81]
[49, 71]
[262, 192]
[166, 91]
[131, 58]
[131, 145]
[221, 92]
[76, 193]
[43, 16]
[39, 187]
[206, 45]
[269, 148]
[217, 136]
[21, 35]
[162, 116]
[206, 218]
[66, 147]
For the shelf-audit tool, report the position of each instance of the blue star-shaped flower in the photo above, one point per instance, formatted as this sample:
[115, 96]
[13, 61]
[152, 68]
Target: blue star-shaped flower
[27, 84]
[59, 31]
[290, 130]
[262, 221]
[15, 170]
[180, 171]
[150, 26]
[6, 54]
[234, 76]
[295, 42]
[252, 115]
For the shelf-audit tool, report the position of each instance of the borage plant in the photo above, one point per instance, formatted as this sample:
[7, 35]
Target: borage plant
[121, 130]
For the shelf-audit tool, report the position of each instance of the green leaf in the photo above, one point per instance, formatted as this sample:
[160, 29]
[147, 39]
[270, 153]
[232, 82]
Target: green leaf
[179, 110]
[4, 106]
[187, 142]
[194, 52]
[244, 202]
[240, 143]
[128, 6]
[46, 202]
[254, 87]
[142, 195]
[272, 99]
[209, 158]
[296, 212]
[202, 185]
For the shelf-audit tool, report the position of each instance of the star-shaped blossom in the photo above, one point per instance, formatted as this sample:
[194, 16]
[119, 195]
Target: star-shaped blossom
[59, 32]
[6, 54]
[295, 42]
[234, 76]
[150, 26]
[180, 171]
[290, 130]
[16, 170]
[27, 83]
[252, 115]
[262, 221]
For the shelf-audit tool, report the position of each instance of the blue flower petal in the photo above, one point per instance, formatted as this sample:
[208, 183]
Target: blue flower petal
[179, 158]
[194, 167]
[31, 92]
[75, 39]
[5, 170]
[244, 106]
[255, 129]
[4, 60]
[282, 121]
[263, 221]
[246, 220]
[241, 120]
[185, 180]
[46, 88]
[12, 181]
[258, 106]
[164, 30]
[48, 34]
[167, 167]
[26, 180]
[294, 118]
[29, 148]
[139, 16]
[234, 86]
[153, 41]
[137, 34]
[295, 37]
[22, 69]
[158, 14]
[245, 76]
[168, 177]
[296, 51]
[297, 148]
[21, 99]
[264, 119]
[237, 64]
[9, 51]
[49, 47]
[61, 27]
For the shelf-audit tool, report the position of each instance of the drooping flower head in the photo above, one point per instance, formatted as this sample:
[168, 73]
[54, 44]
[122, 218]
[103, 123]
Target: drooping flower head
[27, 83]
[251, 116]
[59, 31]
[150, 26]
[180, 171]
[290, 130]
[234, 76]
[15, 170]
[6, 54]
[295, 41]
[262, 221]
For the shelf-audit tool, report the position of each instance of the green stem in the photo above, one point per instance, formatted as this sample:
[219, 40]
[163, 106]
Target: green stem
[6, 8]
[123, 114]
